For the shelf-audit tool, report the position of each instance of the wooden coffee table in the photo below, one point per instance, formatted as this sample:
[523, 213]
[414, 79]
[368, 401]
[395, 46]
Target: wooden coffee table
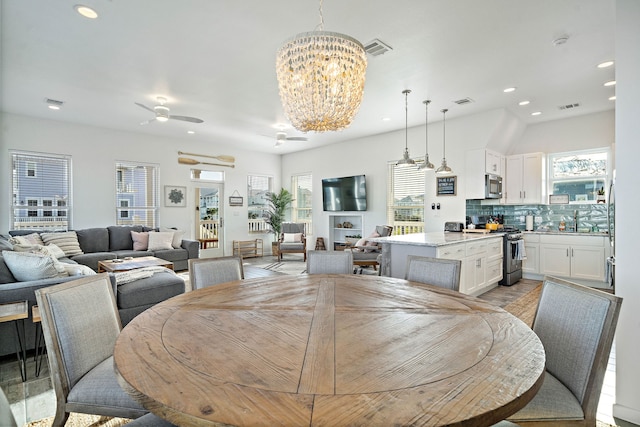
[110, 266]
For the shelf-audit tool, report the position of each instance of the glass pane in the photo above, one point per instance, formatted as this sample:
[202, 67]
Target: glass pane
[578, 165]
[582, 190]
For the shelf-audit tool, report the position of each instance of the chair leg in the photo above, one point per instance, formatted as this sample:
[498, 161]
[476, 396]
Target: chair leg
[61, 418]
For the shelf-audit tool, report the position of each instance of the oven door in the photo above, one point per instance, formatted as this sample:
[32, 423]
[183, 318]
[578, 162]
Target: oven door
[511, 259]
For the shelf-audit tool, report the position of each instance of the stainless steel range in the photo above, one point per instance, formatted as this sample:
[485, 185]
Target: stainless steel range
[513, 247]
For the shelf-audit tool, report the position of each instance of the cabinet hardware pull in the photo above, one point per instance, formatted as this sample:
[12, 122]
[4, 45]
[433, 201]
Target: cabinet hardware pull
[567, 251]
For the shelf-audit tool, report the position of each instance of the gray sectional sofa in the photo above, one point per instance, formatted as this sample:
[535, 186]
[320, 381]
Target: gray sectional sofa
[98, 244]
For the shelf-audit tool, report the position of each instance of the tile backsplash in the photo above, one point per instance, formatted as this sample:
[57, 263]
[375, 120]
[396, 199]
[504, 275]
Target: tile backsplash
[589, 215]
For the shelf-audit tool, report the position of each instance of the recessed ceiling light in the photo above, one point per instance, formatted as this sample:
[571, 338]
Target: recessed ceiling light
[612, 98]
[191, 132]
[509, 89]
[522, 103]
[610, 83]
[560, 40]
[536, 113]
[86, 11]
[386, 119]
[605, 64]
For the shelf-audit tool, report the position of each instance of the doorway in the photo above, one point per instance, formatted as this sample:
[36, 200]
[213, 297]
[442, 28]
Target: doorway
[209, 219]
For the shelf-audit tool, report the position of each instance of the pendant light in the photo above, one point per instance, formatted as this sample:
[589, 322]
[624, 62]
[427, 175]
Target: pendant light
[427, 165]
[406, 161]
[443, 167]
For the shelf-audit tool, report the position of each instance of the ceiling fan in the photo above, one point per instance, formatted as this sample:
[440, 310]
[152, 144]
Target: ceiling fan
[281, 138]
[161, 112]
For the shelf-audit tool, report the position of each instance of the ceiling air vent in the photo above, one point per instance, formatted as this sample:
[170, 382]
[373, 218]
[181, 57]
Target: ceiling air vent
[53, 102]
[376, 48]
[464, 101]
[569, 106]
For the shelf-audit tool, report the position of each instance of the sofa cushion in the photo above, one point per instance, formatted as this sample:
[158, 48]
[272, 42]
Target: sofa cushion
[160, 240]
[93, 239]
[120, 237]
[150, 290]
[67, 241]
[26, 266]
[91, 260]
[140, 240]
[5, 274]
[171, 254]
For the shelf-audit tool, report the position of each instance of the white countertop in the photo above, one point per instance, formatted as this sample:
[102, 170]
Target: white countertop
[435, 239]
[569, 233]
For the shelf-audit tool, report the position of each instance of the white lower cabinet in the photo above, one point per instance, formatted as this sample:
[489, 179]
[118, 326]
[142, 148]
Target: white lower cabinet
[481, 263]
[532, 248]
[578, 257]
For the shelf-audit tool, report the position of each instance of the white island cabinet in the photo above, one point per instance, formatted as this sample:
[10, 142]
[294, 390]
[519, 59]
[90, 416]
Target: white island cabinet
[481, 256]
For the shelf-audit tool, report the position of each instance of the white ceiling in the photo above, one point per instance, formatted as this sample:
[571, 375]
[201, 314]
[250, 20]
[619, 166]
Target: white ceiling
[215, 60]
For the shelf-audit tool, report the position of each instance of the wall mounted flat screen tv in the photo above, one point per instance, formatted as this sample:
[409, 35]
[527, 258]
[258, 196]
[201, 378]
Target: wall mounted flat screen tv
[348, 193]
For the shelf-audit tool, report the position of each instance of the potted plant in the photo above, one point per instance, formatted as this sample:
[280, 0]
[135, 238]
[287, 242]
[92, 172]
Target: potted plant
[600, 196]
[278, 204]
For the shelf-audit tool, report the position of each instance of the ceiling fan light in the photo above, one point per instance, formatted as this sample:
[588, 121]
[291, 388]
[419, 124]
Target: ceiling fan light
[162, 118]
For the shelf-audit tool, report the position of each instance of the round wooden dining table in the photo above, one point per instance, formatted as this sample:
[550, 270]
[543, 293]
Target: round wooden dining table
[329, 350]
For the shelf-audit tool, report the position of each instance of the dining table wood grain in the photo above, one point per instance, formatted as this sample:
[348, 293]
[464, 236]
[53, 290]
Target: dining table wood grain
[329, 350]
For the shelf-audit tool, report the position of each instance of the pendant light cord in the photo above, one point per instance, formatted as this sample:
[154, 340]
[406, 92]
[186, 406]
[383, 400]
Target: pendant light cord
[320, 26]
[444, 119]
[406, 119]
[426, 131]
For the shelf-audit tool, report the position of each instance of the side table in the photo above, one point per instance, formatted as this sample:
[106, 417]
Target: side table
[17, 312]
[40, 346]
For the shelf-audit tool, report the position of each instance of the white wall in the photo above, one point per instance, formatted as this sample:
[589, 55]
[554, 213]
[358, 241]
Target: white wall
[627, 404]
[94, 152]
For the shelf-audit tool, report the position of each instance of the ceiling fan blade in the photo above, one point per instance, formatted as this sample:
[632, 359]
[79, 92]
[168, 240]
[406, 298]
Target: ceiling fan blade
[186, 119]
[145, 107]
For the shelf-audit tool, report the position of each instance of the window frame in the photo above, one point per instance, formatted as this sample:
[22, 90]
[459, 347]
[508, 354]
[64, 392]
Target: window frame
[296, 208]
[258, 223]
[408, 226]
[139, 184]
[604, 177]
[38, 179]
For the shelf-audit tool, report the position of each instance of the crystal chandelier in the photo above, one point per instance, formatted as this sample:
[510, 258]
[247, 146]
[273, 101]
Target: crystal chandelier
[321, 79]
[406, 161]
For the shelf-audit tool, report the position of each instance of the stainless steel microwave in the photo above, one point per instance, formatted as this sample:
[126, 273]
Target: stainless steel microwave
[492, 186]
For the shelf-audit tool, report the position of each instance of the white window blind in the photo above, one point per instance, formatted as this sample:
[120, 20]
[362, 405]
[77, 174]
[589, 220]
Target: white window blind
[405, 199]
[41, 191]
[302, 191]
[136, 194]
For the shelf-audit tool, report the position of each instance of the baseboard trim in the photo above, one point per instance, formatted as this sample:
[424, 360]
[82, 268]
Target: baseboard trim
[625, 413]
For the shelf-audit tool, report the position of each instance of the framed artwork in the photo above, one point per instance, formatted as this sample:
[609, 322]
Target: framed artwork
[235, 201]
[446, 186]
[175, 196]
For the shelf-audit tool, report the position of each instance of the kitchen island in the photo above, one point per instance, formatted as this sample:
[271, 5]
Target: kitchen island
[481, 256]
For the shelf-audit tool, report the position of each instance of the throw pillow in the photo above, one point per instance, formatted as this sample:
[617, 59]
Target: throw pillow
[292, 237]
[140, 241]
[160, 240]
[78, 270]
[53, 250]
[362, 242]
[67, 241]
[177, 237]
[27, 266]
[28, 239]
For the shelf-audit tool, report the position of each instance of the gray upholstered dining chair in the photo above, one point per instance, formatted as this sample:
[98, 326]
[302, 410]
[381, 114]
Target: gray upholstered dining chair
[205, 272]
[576, 325]
[444, 273]
[329, 262]
[292, 240]
[80, 324]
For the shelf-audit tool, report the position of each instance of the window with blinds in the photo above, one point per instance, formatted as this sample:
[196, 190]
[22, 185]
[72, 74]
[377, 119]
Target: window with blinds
[301, 188]
[41, 191]
[257, 188]
[405, 199]
[136, 194]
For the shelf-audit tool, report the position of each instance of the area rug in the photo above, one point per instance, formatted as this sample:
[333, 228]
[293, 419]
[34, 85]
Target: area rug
[82, 420]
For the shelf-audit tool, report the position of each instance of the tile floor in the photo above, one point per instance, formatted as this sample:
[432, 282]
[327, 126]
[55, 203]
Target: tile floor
[35, 399]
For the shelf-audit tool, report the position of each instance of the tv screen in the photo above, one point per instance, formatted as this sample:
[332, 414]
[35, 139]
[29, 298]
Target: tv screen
[348, 193]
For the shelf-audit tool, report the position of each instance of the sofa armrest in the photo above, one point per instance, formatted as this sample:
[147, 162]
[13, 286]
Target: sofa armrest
[192, 247]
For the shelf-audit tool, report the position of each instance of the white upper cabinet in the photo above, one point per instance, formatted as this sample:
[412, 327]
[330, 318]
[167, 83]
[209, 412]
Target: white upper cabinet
[478, 163]
[525, 179]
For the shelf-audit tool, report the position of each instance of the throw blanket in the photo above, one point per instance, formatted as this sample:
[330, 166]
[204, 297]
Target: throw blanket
[137, 274]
